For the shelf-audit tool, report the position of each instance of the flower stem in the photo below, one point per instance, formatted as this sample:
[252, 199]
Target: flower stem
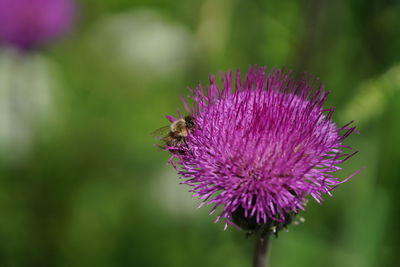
[261, 250]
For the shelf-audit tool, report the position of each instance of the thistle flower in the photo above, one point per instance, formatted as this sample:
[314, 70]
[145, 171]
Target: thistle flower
[260, 148]
[28, 24]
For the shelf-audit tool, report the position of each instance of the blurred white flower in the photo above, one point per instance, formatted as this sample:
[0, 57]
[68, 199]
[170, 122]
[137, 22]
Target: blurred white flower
[26, 100]
[143, 43]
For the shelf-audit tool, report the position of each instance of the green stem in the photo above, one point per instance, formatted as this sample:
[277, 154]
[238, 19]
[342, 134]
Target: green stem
[261, 250]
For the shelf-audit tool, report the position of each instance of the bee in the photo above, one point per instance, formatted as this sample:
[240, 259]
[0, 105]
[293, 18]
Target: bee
[177, 132]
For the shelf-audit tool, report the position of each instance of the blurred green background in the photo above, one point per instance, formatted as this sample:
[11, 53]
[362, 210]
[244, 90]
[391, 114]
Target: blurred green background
[82, 185]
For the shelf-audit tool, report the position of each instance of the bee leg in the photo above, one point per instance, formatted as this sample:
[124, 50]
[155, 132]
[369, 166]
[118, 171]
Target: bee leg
[187, 146]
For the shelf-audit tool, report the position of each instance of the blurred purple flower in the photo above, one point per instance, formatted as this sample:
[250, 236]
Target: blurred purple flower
[260, 148]
[29, 24]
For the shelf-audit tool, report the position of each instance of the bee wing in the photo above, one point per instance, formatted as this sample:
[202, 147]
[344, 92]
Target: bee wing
[160, 133]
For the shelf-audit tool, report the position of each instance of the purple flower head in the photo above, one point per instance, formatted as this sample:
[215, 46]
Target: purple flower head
[29, 24]
[260, 148]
